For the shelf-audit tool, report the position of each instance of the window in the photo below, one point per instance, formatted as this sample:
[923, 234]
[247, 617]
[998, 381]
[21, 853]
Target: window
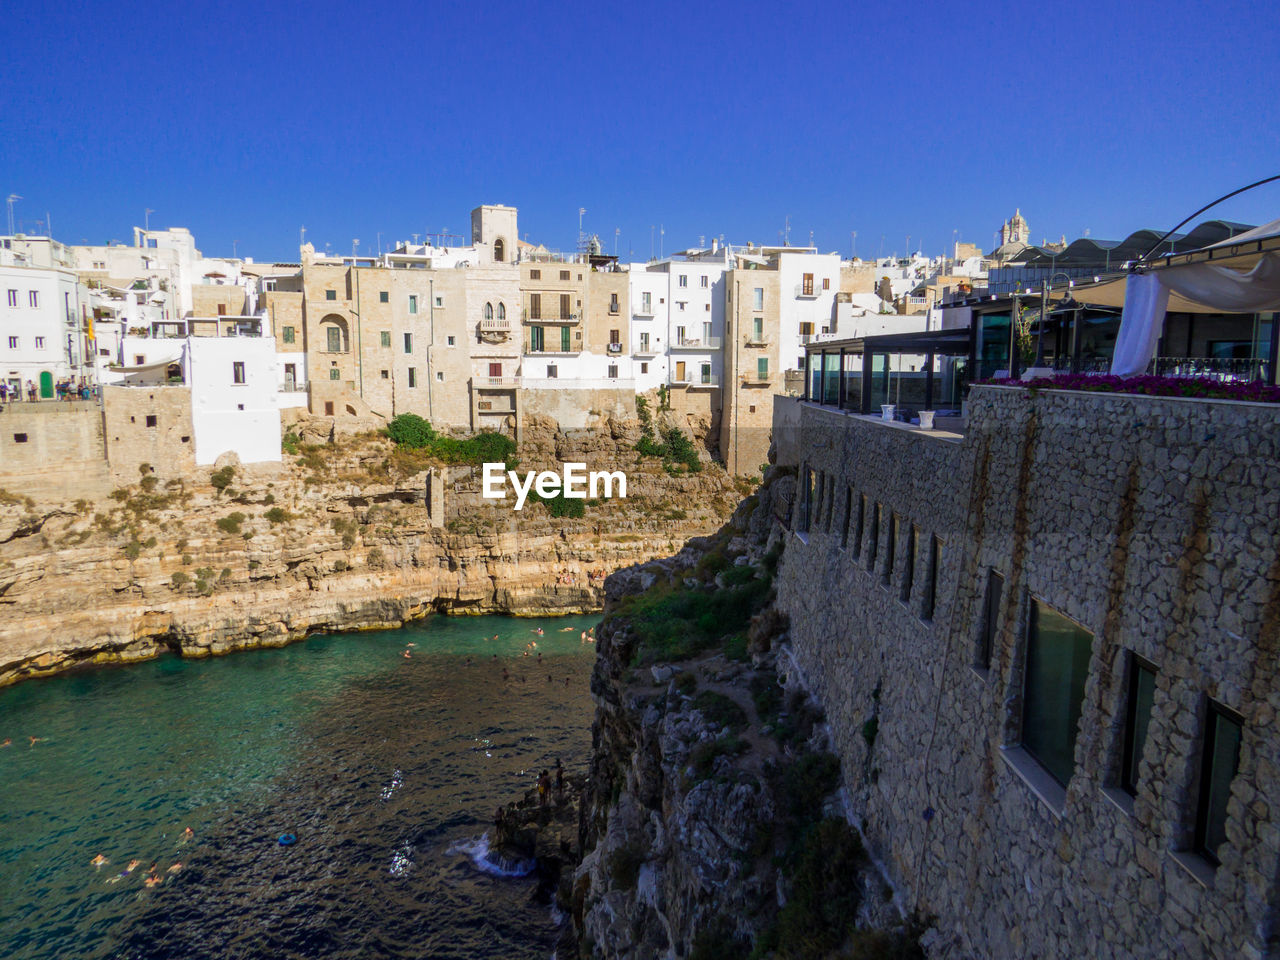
[384, 296]
[33, 297]
[222, 309]
[757, 329]
[644, 368]
[385, 338]
[644, 343]
[615, 336]
[1058, 651]
[762, 368]
[151, 420]
[535, 274]
[684, 279]
[535, 306]
[806, 285]
[1218, 766]
[499, 250]
[564, 274]
[703, 282]
[931, 579]
[873, 537]
[333, 339]
[450, 341]
[1137, 717]
[288, 334]
[858, 525]
[328, 408]
[39, 343]
[990, 619]
[413, 376]
[613, 303]
[13, 298]
[565, 346]
[613, 371]
[19, 438]
[495, 370]
[440, 376]
[646, 302]
[706, 373]
[439, 301]
[706, 307]
[502, 310]
[890, 549]
[909, 565]
[408, 343]
[237, 372]
[488, 311]
[566, 305]
[757, 298]
[413, 303]
[826, 283]
[537, 336]
[552, 372]
[681, 304]
[806, 328]
[386, 374]
[139, 360]
[334, 374]
[331, 294]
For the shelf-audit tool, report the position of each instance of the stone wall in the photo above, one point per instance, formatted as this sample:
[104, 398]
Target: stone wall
[52, 451]
[1151, 523]
[148, 425]
[577, 409]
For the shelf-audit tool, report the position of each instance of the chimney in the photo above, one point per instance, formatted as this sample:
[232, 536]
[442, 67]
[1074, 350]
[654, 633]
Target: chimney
[715, 245]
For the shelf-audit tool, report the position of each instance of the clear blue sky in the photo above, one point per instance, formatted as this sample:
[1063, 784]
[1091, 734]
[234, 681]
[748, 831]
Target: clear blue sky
[244, 122]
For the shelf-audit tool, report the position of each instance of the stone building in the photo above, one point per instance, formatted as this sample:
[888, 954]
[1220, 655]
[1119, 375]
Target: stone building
[1047, 651]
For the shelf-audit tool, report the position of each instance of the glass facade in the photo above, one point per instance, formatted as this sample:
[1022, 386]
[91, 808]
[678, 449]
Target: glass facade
[1218, 768]
[1142, 689]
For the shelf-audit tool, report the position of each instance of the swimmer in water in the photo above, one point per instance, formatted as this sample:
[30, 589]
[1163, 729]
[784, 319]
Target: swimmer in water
[584, 636]
[187, 834]
[407, 655]
[175, 868]
[6, 743]
[566, 681]
[133, 865]
[151, 880]
[99, 860]
[566, 629]
[34, 741]
[505, 675]
[410, 644]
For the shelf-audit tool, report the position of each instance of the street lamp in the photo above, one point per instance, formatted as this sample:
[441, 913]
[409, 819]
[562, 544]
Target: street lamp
[1044, 312]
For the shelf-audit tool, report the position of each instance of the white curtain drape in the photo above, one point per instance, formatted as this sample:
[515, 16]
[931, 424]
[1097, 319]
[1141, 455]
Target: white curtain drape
[1146, 297]
[1141, 323]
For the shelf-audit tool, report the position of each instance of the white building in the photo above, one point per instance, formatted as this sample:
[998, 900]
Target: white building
[235, 399]
[808, 282]
[42, 326]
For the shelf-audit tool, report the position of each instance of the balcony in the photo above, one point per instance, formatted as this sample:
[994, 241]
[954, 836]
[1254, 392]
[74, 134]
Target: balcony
[542, 317]
[706, 343]
[530, 352]
[644, 310]
[496, 382]
[615, 348]
[807, 291]
[755, 378]
[644, 350]
[757, 342]
[695, 381]
[495, 326]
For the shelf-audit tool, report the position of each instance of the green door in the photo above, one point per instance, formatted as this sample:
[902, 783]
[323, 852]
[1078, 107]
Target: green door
[46, 384]
[564, 339]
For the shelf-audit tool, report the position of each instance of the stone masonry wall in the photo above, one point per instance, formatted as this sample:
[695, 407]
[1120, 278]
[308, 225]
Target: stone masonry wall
[1151, 522]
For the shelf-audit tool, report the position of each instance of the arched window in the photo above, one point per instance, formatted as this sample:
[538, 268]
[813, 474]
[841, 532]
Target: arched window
[488, 311]
[502, 310]
[499, 248]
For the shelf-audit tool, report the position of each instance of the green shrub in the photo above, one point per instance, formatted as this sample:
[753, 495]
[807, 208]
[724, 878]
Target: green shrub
[819, 915]
[133, 550]
[179, 580]
[676, 623]
[289, 442]
[221, 479]
[225, 574]
[562, 506]
[276, 515]
[375, 559]
[411, 431]
[231, 522]
[721, 710]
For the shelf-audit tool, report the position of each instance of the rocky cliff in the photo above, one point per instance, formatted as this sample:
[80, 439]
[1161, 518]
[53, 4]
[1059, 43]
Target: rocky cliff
[712, 825]
[337, 538]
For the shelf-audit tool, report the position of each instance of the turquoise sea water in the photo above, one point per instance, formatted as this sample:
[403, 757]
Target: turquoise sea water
[388, 769]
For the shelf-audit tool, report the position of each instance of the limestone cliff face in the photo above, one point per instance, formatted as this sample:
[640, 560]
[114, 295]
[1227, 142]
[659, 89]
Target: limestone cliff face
[337, 539]
[712, 826]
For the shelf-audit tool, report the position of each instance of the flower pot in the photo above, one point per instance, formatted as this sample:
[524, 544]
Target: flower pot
[926, 419]
[886, 411]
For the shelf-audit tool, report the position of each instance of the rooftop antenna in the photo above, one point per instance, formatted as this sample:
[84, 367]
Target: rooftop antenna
[146, 219]
[13, 198]
[233, 248]
[786, 238]
[811, 238]
[415, 238]
[662, 236]
[48, 222]
[302, 236]
[853, 239]
[582, 237]
[355, 245]
[702, 240]
[650, 234]
[617, 232]
[379, 243]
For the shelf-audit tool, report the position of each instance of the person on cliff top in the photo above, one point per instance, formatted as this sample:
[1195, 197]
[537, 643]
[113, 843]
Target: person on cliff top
[544, 787]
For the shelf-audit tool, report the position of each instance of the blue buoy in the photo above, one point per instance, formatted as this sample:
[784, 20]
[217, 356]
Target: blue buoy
[287, 839]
